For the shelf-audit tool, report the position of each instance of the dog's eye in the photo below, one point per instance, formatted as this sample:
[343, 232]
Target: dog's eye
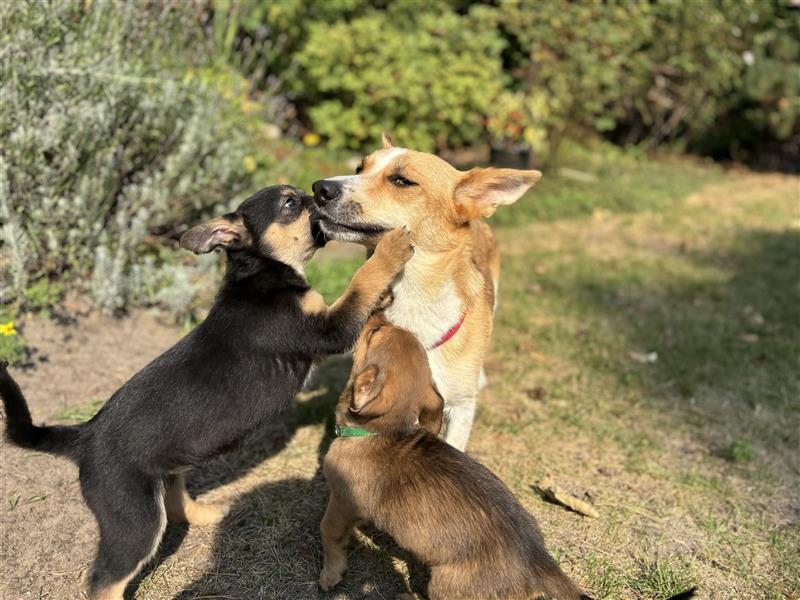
[360, 167]
[289, 202]
[401, 181]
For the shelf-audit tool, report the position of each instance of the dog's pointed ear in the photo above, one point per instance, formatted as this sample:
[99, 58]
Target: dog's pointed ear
[367, 386]
[480, 191]
[220, 232]
[386, 139]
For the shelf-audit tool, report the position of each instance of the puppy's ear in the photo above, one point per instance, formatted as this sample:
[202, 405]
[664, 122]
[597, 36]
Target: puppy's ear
[480, 191]
[386, 139]
[367, 386]
[219, 232]
[431, 410]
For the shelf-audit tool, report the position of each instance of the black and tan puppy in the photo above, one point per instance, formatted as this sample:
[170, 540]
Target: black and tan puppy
[389, 467]
[242, 365]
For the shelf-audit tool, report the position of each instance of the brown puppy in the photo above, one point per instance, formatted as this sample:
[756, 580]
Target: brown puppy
[446, 296]
[389, 468]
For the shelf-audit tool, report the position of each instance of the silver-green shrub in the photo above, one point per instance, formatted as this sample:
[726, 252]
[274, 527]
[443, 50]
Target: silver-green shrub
[110, 136]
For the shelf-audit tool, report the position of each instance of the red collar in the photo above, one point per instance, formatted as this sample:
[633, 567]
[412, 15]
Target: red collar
[450, 332]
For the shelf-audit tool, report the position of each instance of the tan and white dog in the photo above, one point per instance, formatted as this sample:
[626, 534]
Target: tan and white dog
[446, 295]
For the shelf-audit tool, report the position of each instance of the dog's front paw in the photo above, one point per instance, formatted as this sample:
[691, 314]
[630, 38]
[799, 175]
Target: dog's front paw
[395, 249]
[329, 578]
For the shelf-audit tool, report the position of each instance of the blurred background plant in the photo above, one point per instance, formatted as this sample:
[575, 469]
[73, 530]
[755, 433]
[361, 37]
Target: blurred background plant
[122, 123]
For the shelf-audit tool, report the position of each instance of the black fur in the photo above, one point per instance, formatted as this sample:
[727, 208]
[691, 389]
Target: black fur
[238, 368]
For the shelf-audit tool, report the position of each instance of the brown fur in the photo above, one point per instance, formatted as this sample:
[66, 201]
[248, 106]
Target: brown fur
[452, 513]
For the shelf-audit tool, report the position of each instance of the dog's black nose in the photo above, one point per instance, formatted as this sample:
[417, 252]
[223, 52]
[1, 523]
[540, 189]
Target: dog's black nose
[326, 190]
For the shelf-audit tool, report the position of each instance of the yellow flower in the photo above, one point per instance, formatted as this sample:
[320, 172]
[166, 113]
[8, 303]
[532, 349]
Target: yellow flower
[311, 139]
[7, 328]
[250, 163]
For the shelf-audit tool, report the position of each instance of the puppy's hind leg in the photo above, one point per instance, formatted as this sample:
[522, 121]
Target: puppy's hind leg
[130, 512]
[181, 508]
[458, 419]
[336, 527]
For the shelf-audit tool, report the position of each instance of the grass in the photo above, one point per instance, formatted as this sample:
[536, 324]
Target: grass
[661, 578]
[603, 178]
[81, 412]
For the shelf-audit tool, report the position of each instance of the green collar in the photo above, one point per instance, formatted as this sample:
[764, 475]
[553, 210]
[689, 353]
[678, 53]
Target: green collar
[344, 431]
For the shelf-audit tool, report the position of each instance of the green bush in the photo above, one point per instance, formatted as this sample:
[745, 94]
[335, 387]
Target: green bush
[706, 75]
[571, 64]
[651, 72]
[429, 74]
[113, 130]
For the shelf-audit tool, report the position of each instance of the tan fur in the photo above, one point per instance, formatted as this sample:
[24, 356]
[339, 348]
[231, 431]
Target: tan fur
[450, 512]
[291, 243]
[313, 303]
[181, 508]
[112, 592]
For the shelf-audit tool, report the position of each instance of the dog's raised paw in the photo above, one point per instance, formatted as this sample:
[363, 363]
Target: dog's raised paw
[397, 247]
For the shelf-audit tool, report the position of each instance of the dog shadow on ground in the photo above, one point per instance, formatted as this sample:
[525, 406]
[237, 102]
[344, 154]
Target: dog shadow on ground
[269, 546]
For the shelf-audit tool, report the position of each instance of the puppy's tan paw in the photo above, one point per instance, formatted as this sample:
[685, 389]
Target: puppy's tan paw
[329, 578]
[200, 513]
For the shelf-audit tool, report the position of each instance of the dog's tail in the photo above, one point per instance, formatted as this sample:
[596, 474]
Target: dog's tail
[20, 430]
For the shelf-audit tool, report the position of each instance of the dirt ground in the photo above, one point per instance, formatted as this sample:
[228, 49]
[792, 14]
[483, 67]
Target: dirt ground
[49, 535]
[572, 394]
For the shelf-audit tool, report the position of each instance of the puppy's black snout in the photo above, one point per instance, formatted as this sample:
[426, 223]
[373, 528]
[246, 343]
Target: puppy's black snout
[326, 190]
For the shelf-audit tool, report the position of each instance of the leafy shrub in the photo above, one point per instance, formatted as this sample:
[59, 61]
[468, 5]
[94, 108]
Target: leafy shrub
[708, 75]
[112, 132]
[571, 63]
[430, 75]
[652, 72]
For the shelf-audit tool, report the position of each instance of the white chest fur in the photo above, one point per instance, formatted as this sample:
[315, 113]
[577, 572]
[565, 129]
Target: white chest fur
[424, 306]
[427, 303]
